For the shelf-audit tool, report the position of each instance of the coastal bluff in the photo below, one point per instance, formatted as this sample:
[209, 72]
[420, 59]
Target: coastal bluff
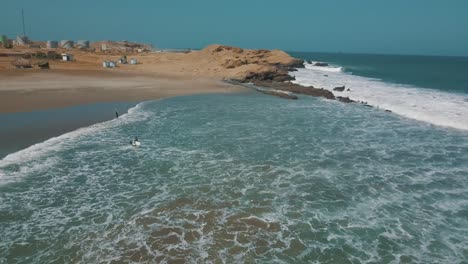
[245, 64]
[262, 68]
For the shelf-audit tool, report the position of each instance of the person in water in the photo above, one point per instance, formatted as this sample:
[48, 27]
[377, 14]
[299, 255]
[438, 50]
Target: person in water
[134, 141]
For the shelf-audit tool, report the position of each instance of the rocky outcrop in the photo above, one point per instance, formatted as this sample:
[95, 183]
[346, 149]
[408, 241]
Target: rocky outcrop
[269, 75]
[220, 48]
[345, 99]
[296, 88]
[321, 64]
[230, 64]
[339, 88]
[264, 62]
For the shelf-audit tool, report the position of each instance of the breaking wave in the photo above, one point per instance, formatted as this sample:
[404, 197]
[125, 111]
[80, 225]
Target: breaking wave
[428, 105]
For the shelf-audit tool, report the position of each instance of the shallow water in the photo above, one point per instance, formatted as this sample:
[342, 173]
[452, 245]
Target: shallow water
[240, 178]
[21, 130]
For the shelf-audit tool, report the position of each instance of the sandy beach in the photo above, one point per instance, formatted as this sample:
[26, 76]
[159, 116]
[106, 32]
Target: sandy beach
[33, 90]
[37, 104]
[157, 75]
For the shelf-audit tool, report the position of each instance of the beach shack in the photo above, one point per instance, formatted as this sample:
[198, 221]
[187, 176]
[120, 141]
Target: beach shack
[67, 57]
[109, 64]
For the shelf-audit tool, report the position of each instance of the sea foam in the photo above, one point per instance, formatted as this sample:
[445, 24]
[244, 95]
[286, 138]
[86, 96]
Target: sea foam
[311, 66]
[428, 105]
[52, 145]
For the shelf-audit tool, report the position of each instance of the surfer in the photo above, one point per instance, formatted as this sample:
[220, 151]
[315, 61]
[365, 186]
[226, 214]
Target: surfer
[116, 114]
[135, 142]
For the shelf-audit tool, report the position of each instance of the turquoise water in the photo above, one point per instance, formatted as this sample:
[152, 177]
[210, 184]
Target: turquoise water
[243, 178]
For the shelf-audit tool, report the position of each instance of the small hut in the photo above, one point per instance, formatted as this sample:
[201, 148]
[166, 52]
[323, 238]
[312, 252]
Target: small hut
[52, 44]
[109, 64]
[66, 44]
[22, 40]
[82, 44]
[67, 57]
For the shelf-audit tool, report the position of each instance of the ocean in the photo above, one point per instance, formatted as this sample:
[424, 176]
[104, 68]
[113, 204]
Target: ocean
[430, 89]
[251, 178]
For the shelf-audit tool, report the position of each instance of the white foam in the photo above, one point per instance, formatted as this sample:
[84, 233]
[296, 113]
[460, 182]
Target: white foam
[311, 66]
[24, 157]
[428, 105]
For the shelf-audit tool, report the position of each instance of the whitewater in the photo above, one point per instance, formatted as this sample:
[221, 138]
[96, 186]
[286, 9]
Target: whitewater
[429, 105]
[240, 178]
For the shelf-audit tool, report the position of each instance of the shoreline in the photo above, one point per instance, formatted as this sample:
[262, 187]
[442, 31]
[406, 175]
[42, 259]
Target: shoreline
[24, 129]
[38, 105]
[42, 90]
[156, 75]
[33, 100]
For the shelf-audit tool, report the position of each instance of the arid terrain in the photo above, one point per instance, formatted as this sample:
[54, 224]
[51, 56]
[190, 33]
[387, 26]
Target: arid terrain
[157, 74]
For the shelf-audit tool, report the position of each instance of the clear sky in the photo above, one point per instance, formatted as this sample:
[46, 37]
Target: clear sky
[432, 27]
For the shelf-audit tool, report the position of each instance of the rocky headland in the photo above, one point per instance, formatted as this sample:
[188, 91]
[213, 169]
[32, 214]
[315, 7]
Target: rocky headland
[265, 69]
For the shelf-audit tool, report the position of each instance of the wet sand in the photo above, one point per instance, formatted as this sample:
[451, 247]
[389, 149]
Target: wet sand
[21, 130]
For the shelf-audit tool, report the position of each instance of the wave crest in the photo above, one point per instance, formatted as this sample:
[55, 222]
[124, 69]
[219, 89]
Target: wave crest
[312, 66]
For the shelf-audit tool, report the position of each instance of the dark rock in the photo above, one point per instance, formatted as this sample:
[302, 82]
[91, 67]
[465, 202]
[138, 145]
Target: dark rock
[296, 88]
[280, 94]
[339, 88]
[345, 99]
[43, 64]
[326, 75]
[388, 111]
[274, 75]
[321, 64]
[295, 63]
[283, 78]
[348, 90]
